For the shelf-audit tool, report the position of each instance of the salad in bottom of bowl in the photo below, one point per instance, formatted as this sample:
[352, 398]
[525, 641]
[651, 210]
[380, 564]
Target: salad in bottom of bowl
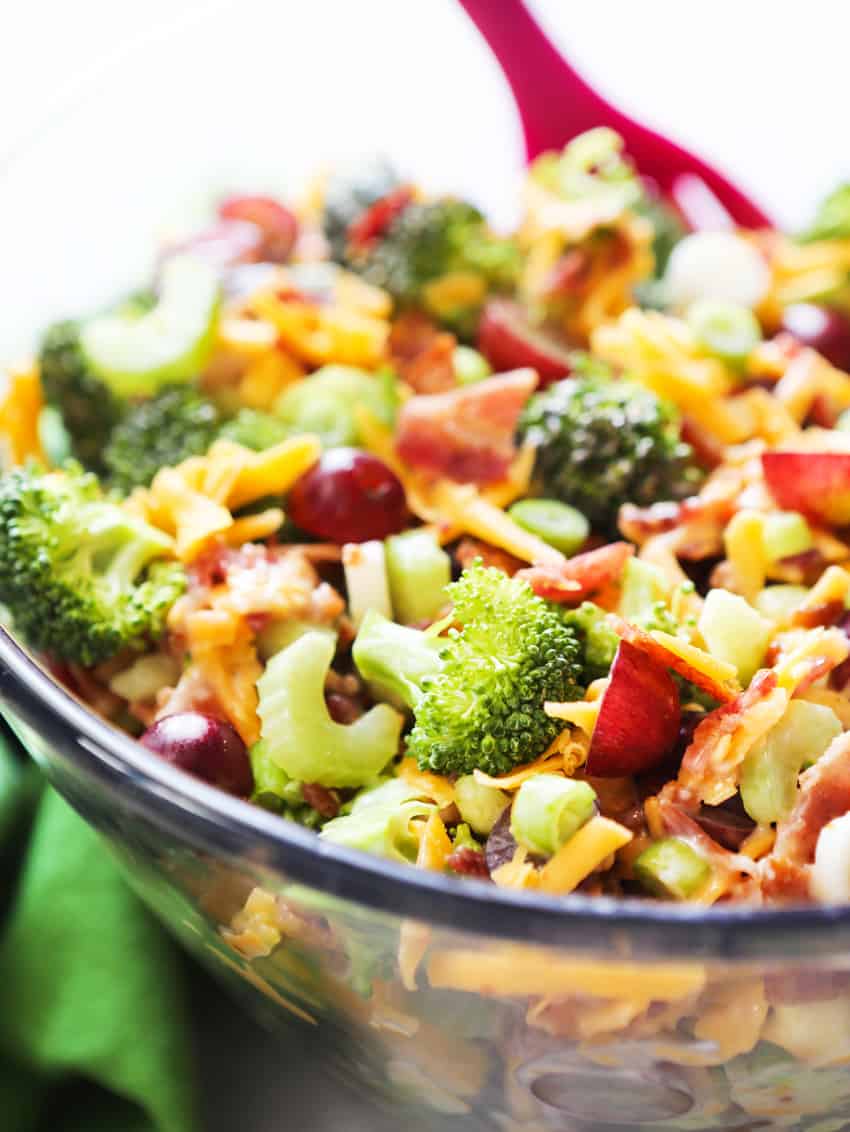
[522, 557]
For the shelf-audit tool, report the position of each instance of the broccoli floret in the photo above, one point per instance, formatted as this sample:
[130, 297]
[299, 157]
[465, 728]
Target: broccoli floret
[160, 432]
[89, 410]
[254, 429]
[483, 707]
[832, 218]
[80, 576]
[598, 640]
[602, 442]
[429, 241]
[348, 193]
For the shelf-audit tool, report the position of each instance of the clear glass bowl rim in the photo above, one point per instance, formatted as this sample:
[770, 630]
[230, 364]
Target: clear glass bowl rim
[222, 825]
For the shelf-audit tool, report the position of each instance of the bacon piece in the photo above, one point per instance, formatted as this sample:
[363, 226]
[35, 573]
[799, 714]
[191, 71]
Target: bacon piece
[700, 523]
[707, 449]
[323, 801]
[710, 764]
[422, 354]
[470, 549]
[824, 794]
[580, 576]
[467, 434]
[468, 862]
[648, 644]
[827, 613]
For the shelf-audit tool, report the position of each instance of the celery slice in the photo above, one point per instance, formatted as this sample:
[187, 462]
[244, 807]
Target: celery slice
[418, 571]
[672, 869]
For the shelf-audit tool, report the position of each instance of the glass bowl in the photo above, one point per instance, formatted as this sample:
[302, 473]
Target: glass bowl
[466, 1005]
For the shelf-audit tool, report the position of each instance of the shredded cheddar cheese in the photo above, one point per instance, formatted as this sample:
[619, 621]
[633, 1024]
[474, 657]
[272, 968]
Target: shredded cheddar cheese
[582, 854]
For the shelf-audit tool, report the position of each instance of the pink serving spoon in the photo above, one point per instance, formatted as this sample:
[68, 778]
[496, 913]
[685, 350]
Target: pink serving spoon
[555, 104]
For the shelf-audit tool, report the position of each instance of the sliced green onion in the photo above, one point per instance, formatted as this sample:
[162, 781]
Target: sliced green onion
[557, 523]
[418, 570]
[785, 533]
[548, 810]
[672, 869]
[727, 330]
[480, 806]
[771, 767]
[470, 366]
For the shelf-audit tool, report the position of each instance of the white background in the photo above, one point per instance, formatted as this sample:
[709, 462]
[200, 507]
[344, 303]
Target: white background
[118, 117]
[759, 86]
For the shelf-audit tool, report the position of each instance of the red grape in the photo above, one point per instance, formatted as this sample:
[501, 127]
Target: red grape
[823, 328]
[207, 747]
[277, 224]
[349, 496]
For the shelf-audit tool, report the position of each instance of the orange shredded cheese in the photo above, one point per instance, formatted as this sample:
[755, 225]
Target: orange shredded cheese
[21, 403]
[546, 764]
[519, 970]
[582, 854]
[435, 845]
[433, 786]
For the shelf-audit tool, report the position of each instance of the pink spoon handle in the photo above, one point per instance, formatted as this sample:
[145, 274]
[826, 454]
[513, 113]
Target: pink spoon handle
[555, 103]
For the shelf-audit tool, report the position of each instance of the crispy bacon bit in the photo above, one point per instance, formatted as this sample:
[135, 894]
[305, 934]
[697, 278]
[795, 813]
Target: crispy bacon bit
[804, 568]
[373, 223]
[323, 801]
[827, 613]
[700, 522]
[467, 434]
[422, 354]
[342, 708]
[720, 742]
[784, 881]
[824, 795]
[581, 576]
[707, 448]
[703, 680]
[470, 549]
[468, 862]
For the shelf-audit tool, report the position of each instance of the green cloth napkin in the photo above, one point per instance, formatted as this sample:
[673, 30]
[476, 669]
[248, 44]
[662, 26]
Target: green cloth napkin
[93, 1033]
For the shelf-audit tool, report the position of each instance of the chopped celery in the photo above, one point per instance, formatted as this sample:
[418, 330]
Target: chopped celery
[418, 570]
[770, 770]
[777, 603]
[366, 581]
[548, 810]
[729, 331]
[643, 587]
[325, 402]
[301, 736]
[379, 821]
[278, 635]
[270, 779]
[470, 366]
[135, 353]
[480, 806]
[672, 869]
[555, 522]
[785, 533]
[735, 632]
[394, 659]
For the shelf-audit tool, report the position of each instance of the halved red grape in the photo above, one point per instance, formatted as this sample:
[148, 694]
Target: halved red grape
[508, 341]
[823, 328]
[277, 224]
[207, 747]
[349, 496]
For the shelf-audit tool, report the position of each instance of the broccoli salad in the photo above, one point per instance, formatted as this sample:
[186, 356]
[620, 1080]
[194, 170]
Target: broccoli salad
[523, 557]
